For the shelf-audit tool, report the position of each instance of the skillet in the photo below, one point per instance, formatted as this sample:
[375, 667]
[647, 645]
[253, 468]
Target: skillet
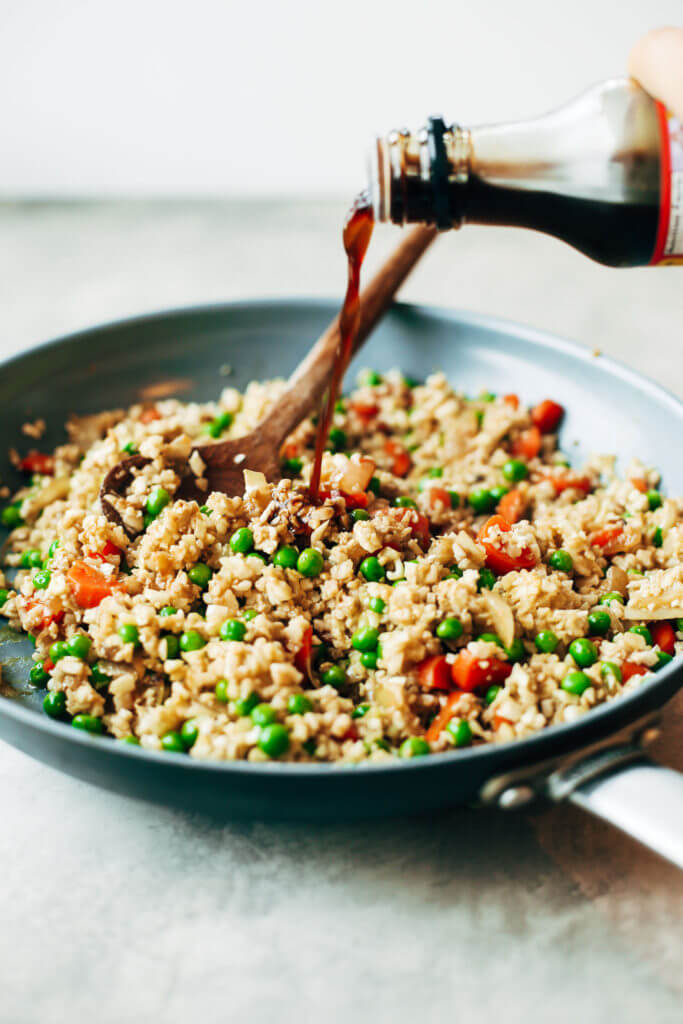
[597, 761]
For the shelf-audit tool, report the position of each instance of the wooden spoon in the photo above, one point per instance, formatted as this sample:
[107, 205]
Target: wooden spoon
[260, 450]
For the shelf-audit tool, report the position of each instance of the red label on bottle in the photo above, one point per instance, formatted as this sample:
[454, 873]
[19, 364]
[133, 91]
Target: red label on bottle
[669, 244]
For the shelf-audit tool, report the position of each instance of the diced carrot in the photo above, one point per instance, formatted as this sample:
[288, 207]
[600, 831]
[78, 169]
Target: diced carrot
[605, 537]
[469, 673]
[49, 613]
[439, 496]
[89, 586]
[366, 411]
[302, 658]
[443, 717]
[401, 460]
[48, 664]
[629, 669]
[563, 481]
[547, 415]
[150, 414]
[359, 500]
[664, 636]
[512, 400]
[290, 450]
[639, 484]
[435, 673]
[419, 524]
[512, 506]
[528, 444]
[496, 557]
[38, 462]
[499, 720]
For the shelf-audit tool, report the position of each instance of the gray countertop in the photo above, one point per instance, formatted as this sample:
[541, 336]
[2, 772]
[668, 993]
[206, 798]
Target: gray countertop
[112, 910]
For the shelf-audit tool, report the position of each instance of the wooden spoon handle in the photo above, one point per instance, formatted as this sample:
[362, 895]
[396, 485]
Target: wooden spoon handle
[309, 381]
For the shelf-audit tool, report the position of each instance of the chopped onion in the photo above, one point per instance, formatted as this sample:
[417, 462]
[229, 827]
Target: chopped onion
[502, 617]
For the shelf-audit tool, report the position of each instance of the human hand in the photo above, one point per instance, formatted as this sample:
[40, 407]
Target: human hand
[657, 62]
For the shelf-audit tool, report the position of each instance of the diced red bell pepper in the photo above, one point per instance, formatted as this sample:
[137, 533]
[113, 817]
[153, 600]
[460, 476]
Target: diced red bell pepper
[547, 415]
[563, 481]
[443, 717]
[419, 525]
[497, 558]
[528, 444]
[639, 484]
[357, 500]
[150, 414]
[351, 733]
[105, 552]
[512, 506]
[302, 658]
[435, 673]
[48, 664]
[439, 496]
[89, 586]
[38, 462]
[664, 636]
[365, 410]
[401, 460]
[470, 673]
[630, 669]
[512, 400]
[606, 537]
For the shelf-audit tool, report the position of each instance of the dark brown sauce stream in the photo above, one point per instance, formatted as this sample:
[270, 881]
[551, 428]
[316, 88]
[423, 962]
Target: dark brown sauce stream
[357, 233]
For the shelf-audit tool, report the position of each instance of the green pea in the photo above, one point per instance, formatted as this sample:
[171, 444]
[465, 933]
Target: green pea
[414, 746]
[334, 676]
[88, 723]
[200, 574]
[245, 705]
[292, 466]
[221, 691]
[546, 641]
[360, 711]
[359, 515]
[298, 704]
[663, 659]
[487, 579]
[42, 578]
[654, 500]
[4, 594]
[491, 694]
[242, 541]
[58, 650]
[516, 651]
[461, 731]
[172, 646]
[369, 378]
[98, 678]
[157, 500]
[274, 739]
[132, 740]
[365, 639]
[38, 675]
[189, 731]
[219, 424]
[248, 614]
[233, 629]
[30, 559]
[403, 501]
[487, 396]
[168, 610]
[376, 604]
[129, 634]
[583, 652]
[54, 704]
[375, 485]
[449, 629]
[679, 625]
[172, 742]
[310, 562]
[515, 470]
[369, 659]
[611, 596]
[498, 493]
[286, 557]
[191, 640]
[205, 510]
[130, 448]
[148, 519]
[455, 572]
[337, 439]
[79, 646]
[11, 516]
[644, 632]
[561, 560]
[435, 472]
[482, 500]
[490, 638]
[455, 499]
[658, 537]
[371, 569]
[599, 622]
[576, 683]
[263, 714]
[609, 668]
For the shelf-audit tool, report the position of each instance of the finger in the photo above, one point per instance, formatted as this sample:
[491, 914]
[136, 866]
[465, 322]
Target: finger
[657, 62]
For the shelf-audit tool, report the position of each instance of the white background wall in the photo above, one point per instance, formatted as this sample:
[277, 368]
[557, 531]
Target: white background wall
[275, 97]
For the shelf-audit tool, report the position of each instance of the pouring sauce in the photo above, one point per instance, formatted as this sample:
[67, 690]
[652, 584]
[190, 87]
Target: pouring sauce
[356, 236]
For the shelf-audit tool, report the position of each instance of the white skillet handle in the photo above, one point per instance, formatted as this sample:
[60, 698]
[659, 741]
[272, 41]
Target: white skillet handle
[643, 799]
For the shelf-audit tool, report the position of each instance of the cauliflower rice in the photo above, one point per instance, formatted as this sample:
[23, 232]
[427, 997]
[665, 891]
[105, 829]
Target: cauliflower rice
[460, 584]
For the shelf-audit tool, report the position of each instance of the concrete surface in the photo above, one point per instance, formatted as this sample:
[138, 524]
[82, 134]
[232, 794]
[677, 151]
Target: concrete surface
[111, 910]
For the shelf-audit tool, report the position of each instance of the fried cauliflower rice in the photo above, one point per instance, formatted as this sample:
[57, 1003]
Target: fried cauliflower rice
[459, 584]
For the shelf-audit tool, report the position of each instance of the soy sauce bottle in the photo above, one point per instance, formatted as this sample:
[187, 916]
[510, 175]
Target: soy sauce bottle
[604, 174]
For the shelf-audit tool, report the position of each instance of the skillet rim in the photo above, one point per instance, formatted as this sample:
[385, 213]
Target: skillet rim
[554, 740]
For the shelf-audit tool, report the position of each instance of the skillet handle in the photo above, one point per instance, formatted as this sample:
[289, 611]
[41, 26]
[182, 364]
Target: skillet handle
[640, 797]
